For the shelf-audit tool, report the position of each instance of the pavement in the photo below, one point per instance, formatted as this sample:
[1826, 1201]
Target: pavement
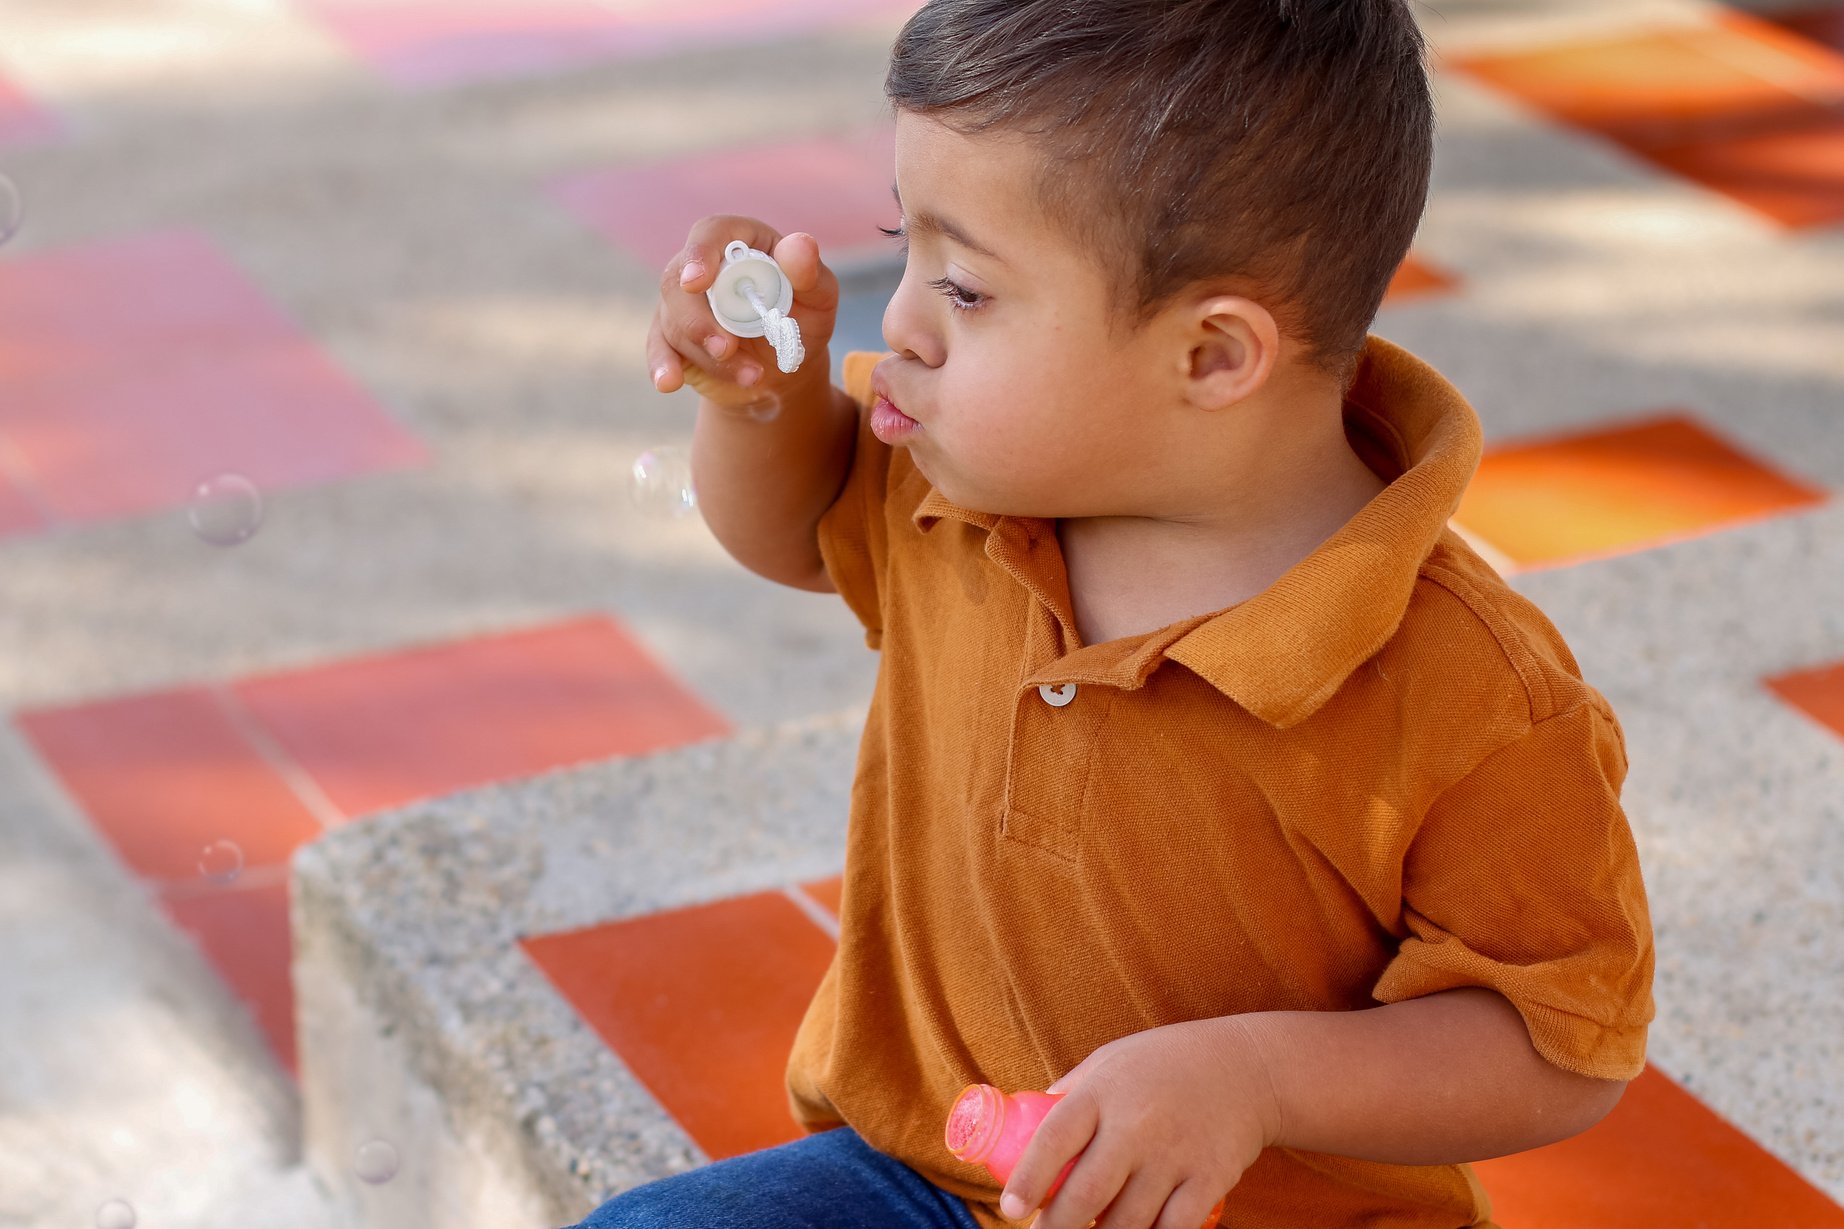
[365, 204]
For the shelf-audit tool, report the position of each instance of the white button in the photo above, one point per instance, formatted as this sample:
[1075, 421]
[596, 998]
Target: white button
[1057, 696]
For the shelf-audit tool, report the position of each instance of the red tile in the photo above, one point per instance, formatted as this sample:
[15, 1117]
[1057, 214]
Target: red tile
[1794, 175]
[835, 188]
[18, 514]
[383, 730]
[420, 45]
[1818, 692]
[702, 1004]
[165, 775]
[447, 42]
[1417, 279]
[1618, 489]
[1661, 1157]
[137, 368]
[22, 122]
[243, 931]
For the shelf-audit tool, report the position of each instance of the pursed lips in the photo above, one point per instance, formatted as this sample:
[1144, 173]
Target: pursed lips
[880, 387]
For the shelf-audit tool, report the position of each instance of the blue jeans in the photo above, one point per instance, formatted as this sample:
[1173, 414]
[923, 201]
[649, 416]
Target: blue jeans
[831, 1180]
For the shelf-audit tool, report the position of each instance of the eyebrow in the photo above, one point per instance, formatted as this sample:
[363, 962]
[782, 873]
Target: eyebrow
[931, 224]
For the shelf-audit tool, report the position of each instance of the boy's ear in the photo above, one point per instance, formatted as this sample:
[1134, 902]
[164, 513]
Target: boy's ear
[1233, 351]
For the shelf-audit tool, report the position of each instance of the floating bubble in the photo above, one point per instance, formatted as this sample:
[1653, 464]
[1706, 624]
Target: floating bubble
[375, 1161]
[221, 861]
[115, 1214]
[12, 209]
[226, 509]
[662, 481]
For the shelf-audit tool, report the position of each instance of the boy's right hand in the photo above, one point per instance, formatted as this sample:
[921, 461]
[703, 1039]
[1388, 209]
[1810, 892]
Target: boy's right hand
[686, 345]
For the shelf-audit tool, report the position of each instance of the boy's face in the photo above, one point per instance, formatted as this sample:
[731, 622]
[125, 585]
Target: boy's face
[1027, 407]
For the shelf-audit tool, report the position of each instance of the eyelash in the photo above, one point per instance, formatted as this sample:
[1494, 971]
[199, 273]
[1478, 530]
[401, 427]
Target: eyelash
[953, 290]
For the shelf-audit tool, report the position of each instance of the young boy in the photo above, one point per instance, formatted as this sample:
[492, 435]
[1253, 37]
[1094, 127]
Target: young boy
[1209, 778]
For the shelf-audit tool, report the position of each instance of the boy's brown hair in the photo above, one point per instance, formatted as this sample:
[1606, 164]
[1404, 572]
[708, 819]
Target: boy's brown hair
[1277, 148]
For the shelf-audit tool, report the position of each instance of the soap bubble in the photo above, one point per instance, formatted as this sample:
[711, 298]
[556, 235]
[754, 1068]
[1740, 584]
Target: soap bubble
[12, 209]
[662, 481]
[226, 509]
[221, 861]
[115, 1214]
[375, 1161]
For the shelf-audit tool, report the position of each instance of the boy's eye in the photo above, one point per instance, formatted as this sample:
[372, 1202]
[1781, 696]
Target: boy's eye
[959, 297]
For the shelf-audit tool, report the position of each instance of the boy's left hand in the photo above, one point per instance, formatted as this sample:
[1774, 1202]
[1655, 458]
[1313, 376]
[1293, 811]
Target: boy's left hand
[1165, 1121]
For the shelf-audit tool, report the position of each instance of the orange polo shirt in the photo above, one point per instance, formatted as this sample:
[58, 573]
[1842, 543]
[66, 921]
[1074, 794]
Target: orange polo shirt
[1381, 777]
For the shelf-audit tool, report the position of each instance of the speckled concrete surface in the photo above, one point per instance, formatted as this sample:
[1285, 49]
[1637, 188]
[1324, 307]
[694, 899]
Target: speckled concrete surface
[1737, 805]
[409, 233]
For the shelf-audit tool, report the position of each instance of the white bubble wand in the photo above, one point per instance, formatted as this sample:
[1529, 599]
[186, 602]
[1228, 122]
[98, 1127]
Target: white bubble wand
[751, 297]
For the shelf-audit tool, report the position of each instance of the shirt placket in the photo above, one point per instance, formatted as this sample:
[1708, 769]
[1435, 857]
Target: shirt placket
[1054, 726]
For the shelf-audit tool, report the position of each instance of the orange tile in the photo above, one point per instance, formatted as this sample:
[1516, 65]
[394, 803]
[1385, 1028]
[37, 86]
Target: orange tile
[828, 893]
[1818, 692]
[243, 931]
[382, 730]
[1417, 279]
[1823, 25]
[1770, 46]
[1661, 1157]
[1738, 74]
[1794, 175]
[167, 774]
[1619, 489]
[702, 1004]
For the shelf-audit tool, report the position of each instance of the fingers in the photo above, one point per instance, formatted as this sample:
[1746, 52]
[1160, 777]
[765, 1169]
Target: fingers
[1049, 1158]
[718, 358]
[704, 248]
[663, 361]
[815, 286]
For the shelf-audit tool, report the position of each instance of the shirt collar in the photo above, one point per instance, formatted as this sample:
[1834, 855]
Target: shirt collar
[1284, 652]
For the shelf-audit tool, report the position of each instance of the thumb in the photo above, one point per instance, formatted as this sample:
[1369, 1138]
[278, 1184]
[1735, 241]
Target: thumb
[798, 255]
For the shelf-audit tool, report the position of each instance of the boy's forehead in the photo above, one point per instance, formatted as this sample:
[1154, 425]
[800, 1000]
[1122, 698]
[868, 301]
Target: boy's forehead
[978, 190]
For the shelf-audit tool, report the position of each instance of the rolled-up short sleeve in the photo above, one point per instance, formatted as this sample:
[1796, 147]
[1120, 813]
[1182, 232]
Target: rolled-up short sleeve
[852, 535]
[1523, 878]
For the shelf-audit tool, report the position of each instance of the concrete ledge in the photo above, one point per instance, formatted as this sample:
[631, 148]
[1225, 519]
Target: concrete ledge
[424, 1025]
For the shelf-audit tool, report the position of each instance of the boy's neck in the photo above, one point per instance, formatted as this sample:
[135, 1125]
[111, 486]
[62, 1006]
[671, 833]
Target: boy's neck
[1134, 574]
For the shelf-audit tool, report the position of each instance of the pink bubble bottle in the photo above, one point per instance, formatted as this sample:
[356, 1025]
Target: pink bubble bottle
[991, 1129]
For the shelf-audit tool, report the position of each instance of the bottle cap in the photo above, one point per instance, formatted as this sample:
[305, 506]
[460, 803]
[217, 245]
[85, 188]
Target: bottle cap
[728, 302]
[973, 1124]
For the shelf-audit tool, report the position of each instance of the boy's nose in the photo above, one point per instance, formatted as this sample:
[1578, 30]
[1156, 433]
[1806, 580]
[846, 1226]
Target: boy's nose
[907, 328]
